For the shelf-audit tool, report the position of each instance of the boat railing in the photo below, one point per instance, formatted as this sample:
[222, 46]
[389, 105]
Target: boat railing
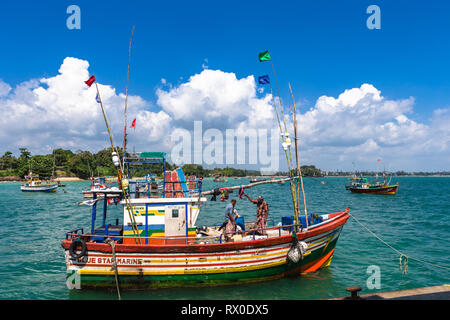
[74, 233]
[194, 186]
[157, 188]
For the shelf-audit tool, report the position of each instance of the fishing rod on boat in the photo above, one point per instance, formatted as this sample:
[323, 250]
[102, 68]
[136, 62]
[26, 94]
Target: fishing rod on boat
[126, 97]
[250, 185]
[299, 170]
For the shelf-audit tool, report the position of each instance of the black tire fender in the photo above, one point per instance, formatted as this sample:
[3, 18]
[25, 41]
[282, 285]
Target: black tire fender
[73, 247]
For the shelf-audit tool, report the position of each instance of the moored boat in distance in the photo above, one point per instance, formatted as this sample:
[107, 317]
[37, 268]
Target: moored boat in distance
[220, 178]
[362, 185]
[35, 184]
[255, 179]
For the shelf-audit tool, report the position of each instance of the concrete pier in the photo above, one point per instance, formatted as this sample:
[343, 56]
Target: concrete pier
[426, 293]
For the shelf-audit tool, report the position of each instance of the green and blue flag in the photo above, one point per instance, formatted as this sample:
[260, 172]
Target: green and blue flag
[264, 79]
[264, 56]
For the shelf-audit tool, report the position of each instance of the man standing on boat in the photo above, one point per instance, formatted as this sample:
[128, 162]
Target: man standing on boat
[230, 223]
[262, 212]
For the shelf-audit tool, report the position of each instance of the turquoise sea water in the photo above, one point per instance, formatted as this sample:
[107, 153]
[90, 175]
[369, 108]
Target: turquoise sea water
[415, 221]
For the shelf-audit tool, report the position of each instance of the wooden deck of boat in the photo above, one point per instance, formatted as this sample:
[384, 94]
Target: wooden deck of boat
[427, 293]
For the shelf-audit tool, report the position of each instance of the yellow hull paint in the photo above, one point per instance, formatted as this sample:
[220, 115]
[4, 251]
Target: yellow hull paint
[173, 272]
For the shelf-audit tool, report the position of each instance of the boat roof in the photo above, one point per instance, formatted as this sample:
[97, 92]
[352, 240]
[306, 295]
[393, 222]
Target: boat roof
[145, 158]
[166, 200]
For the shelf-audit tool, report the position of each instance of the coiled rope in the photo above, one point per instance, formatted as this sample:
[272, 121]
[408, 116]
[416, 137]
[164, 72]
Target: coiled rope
[403, 257]
[114, 264]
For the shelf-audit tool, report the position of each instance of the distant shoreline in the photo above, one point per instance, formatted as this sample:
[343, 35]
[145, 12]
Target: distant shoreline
[409, 176]
[19, 179]
[75, 179]
[69, 179]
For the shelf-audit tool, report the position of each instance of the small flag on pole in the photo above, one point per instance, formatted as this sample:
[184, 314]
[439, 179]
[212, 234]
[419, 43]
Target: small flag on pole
[97, 98]
[379, 160]
[264, 56]
[264, 79]
[90, 81]
[133, 124]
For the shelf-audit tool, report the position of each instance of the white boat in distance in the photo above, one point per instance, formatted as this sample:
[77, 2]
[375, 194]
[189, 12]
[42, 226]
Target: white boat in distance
[34, 184]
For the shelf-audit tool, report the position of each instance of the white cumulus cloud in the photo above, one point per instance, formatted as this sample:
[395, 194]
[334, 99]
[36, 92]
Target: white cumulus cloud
[359, 125]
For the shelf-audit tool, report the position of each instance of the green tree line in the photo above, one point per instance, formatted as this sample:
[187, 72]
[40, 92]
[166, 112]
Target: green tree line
[84, 165]
[61, 162]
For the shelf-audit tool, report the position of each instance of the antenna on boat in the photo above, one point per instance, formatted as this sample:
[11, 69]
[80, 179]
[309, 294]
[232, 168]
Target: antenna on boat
[90, 170]
[53, 170]
[126, 98]
[299, 170]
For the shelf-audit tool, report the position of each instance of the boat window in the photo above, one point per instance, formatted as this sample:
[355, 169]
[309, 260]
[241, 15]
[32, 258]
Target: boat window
[175, 213]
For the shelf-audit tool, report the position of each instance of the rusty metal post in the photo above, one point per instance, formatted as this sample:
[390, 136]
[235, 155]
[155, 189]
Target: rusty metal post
[354, 292]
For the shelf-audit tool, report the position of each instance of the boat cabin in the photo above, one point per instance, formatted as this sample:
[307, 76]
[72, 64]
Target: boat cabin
[33, 179]
[99, 181]
[163, 210]
[162, 220]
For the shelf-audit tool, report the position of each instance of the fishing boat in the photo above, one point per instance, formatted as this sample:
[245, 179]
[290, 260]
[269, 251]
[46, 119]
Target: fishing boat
[362, 185]
[99, 183]
[220, 178]
[155, 241]
[168, 249]
[35, 184]
[256, 180]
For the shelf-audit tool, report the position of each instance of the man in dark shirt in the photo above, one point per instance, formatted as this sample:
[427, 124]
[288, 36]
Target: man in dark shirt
[229, 224]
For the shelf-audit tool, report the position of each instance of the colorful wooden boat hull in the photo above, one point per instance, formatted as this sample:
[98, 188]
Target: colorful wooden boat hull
[392, 189]
[145, 266]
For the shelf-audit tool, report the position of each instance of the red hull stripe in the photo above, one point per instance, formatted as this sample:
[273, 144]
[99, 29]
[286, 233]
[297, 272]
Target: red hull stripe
[315, 265]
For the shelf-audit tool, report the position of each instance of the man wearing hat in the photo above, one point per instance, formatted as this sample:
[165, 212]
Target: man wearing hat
[262, 212]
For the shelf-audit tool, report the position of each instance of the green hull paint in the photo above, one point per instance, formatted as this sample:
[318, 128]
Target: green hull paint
[207, 279]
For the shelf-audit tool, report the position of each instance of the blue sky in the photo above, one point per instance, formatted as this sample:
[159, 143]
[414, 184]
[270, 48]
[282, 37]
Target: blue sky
[320, 47]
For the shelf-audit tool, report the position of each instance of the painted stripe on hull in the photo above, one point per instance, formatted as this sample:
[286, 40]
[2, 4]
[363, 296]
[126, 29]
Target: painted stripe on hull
[41, 189]
[381, 190]
[196, 266]
[213, 276]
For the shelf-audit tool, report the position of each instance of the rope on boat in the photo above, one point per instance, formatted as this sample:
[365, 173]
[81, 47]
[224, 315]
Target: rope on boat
[403, 257]
[114, 264]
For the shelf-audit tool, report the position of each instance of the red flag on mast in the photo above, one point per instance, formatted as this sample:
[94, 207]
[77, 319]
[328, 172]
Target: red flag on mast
[90, 81]
[133, 124]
